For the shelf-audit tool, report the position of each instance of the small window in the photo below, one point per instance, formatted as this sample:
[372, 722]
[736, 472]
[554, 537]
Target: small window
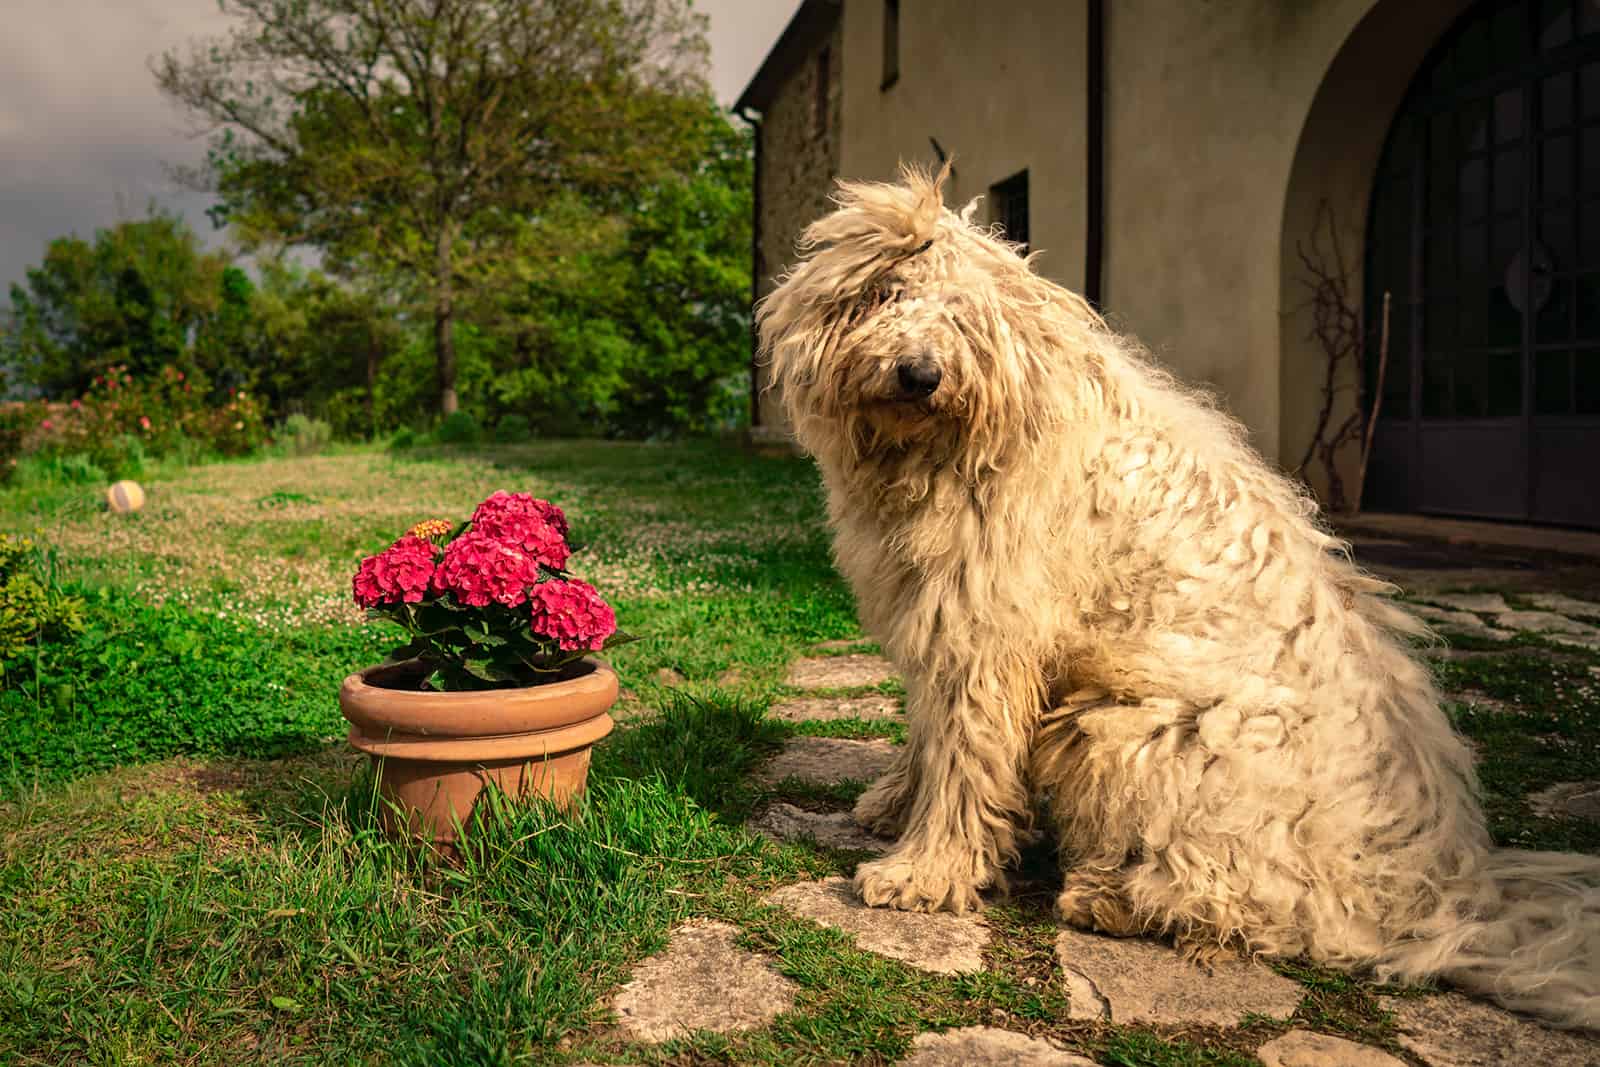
[821, 117]
[1009, 205]
[891, 42]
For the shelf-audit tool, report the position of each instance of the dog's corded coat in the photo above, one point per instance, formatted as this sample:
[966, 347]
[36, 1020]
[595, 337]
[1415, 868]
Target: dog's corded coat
[1099, 595]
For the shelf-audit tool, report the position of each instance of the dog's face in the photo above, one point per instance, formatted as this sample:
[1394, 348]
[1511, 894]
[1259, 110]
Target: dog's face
[903, 362]
[907, 328]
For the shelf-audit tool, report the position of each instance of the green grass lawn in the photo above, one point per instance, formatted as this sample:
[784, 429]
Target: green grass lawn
[189, 860]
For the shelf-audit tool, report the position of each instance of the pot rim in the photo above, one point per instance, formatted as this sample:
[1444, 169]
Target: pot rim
[379, 712]
[537, 746]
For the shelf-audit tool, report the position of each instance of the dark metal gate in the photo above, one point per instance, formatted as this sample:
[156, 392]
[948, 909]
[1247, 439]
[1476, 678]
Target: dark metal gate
[1485, 227]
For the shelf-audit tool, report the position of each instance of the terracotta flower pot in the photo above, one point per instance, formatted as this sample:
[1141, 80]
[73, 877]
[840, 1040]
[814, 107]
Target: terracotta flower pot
[436, 752]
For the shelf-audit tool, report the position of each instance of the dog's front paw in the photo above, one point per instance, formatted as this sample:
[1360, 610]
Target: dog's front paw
[913, 883]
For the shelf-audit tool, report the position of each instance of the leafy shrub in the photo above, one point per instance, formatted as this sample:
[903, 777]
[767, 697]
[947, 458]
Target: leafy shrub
[350, 415]
[303, 436]
[32, 607]
[150, 682]
[16, 420]
[459, 428]
[238, 427]
[48, 468]
[167, 414]
[513, 429]
[404, 438]
[122, 457]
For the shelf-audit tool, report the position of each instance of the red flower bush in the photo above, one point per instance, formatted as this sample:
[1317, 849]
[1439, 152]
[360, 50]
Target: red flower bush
[492, 606]
[400, 574]
[573, 614]
[479, 570]
[538, 525]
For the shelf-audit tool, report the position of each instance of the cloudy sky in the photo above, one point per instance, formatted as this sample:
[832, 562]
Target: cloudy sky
[84, 135]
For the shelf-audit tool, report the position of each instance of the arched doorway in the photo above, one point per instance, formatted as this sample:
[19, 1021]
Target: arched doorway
[1485, 228]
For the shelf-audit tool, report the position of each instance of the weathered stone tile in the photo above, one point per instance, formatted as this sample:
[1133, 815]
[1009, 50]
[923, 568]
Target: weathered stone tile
[1566, 605]
[702, 982]
[837, 829]
[829, 760]
[829, 709]
[985, 1046]
[840, 672]
[1460, 622]
[1486, 603]
[1130, 980]
[941, 943]
[1568, 800]
[1445, 618]
[1456, 1031]
[1545, 622]
[1303, 1048]
[1588, 641]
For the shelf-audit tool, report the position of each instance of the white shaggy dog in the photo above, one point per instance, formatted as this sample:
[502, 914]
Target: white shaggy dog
[1100, 596]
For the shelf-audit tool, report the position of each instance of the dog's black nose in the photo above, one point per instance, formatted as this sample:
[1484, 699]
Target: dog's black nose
[918, 378]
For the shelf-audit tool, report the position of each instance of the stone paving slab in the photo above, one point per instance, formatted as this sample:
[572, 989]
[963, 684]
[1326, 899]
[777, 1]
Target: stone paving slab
[829, 760]
[1566, 605]
[1545, 622]
[702, 982]
[940, 943]
[1483, 603]
[1304, 1048]
[836, 829]
[985, 1046]
[1568, 800]
[1461, 621]
[1455, 1031]
[829, 709]
[1588, 641]
[1131, 980]
[840, 672]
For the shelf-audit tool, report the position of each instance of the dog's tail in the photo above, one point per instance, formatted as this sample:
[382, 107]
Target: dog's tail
[1526, 936]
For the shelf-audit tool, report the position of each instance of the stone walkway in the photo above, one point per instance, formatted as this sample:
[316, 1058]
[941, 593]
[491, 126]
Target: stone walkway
[704, 981]
[1554, 616]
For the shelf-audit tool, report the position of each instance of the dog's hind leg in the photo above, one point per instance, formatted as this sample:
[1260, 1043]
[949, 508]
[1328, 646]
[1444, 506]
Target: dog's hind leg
[966, 746]
[1096, 899]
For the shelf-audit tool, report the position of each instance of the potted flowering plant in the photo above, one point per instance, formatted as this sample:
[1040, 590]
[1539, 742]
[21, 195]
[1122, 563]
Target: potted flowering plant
[496, 681]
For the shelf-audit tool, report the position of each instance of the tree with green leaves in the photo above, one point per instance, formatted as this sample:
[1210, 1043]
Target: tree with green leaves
[322, 344]
[424, 135]
[641, 327]
[135, 296]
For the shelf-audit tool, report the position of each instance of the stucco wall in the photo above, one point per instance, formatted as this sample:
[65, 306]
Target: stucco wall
[1205, 104]
[797, 172]
[1000, 86]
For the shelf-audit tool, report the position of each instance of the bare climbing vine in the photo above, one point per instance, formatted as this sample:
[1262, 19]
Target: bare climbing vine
[1337, 330]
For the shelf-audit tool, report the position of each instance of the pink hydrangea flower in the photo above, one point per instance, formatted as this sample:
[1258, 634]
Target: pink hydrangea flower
[480, 569]
[538, 527]
[503, 503]
[573, 614]
[401, 572]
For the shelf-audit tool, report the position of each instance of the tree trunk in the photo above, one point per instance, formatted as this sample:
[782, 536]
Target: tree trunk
[444, 339]
[372, 381]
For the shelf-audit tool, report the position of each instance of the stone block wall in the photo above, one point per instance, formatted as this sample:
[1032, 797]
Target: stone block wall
[798, 164]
